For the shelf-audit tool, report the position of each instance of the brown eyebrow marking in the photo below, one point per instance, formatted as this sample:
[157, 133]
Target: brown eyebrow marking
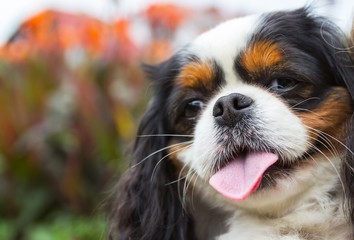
[329, 116]
[196, 74]
[261, 55]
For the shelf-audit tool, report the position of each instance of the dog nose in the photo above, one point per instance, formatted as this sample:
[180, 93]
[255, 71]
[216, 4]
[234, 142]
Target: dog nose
[230, 109]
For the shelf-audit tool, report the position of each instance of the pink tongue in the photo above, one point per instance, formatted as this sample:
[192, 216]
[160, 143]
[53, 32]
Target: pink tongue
[242, 176]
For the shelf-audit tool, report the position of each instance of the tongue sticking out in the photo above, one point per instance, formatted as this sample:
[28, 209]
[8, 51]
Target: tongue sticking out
[242, 176]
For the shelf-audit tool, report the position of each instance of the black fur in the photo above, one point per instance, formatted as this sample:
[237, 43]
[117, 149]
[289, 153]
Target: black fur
[145, 207]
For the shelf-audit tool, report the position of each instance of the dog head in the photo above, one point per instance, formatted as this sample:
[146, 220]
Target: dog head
[254, 114]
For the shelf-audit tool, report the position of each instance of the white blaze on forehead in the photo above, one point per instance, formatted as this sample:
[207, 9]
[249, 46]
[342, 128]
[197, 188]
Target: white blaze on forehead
[224, 42]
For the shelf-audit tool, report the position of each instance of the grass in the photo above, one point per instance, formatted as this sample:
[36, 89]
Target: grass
[62, 227]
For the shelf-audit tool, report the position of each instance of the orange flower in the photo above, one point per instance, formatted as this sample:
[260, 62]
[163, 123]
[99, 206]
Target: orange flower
[127, 49]
[158, 51]
[53, 31]
[121, 28]
[39, 29]
[166, 15]
[15, 52]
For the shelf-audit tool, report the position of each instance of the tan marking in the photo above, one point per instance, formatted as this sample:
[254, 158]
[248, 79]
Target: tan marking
[172, 155]
[261, 55]
[181, 169]
[330, 117]
[195, 74]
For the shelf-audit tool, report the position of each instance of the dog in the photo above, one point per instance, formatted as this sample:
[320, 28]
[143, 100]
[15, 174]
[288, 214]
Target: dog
[249, 135]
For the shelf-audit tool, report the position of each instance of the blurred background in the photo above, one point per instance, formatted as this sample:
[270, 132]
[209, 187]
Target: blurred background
[72, 93]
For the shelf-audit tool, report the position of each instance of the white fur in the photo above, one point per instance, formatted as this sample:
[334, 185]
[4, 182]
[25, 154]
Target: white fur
[224, 42]
[299, 206]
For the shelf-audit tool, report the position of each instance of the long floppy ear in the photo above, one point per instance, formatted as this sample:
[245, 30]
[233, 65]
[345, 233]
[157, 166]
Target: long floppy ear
[339, 53]
[348, 165]
[147, 207]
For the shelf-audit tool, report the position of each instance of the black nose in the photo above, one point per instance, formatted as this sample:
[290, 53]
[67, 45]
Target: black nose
[230, 109]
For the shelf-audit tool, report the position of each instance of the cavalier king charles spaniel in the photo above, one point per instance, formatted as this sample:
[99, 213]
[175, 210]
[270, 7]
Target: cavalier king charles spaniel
[248, 136]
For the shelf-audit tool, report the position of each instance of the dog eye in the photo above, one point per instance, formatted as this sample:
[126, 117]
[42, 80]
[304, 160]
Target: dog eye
[282, 84]
[193, 108]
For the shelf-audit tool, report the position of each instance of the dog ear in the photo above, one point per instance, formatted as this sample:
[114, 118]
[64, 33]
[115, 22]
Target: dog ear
[147, 206]
[348, 164]
[336, 54]
[339, 53]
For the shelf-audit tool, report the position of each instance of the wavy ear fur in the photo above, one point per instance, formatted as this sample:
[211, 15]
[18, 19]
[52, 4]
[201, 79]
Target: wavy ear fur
[348, 165]
[147, 207]
[336, 51]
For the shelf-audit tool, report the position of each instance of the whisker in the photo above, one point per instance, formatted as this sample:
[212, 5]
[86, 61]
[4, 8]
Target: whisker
[191, 175]
[330, 144]
[194, 184]
[334, 167]
[175, 181]
[160, 150]
[307, 110]
[330, 147]
[308, 99]
[183, 197]
[341, 143]
[164, 135]
[164, 157]
[335, 139]
[309, 155]
[180, 195]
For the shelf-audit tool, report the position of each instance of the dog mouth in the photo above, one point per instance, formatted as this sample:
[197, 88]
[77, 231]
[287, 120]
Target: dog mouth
[242, 174]
[249, 171]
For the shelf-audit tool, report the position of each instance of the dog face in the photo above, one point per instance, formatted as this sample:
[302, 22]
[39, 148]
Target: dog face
[265, 112]
[254, 114]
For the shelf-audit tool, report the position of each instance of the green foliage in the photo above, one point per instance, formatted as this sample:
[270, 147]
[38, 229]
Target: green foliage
[62, 227]
[7, 229]
[69, 228]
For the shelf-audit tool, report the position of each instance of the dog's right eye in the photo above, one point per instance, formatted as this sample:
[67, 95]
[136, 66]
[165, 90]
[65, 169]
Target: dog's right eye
[193, 108]
[281, 85]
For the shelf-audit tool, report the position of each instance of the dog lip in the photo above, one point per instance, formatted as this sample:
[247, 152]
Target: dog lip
[281, 168]
[242, 176]
[241, 152]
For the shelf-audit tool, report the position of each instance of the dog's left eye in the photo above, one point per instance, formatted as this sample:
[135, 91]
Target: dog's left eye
[282, 84]
[193, 108]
